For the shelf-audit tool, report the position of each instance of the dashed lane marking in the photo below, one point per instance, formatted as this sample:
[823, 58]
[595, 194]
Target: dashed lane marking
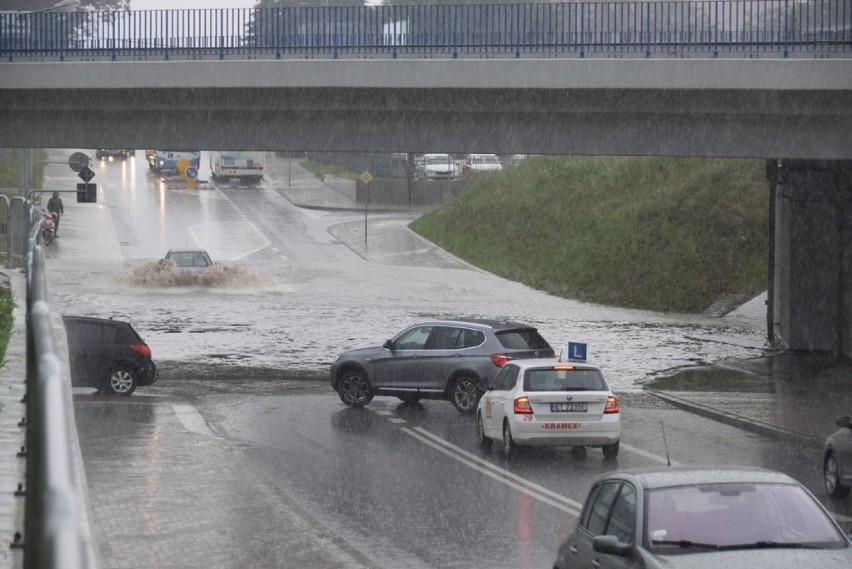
[191, 419]
[484, 467]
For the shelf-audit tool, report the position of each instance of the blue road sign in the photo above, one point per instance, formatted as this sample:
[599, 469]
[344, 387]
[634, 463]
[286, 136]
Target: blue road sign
[191, 172]
[576, 351]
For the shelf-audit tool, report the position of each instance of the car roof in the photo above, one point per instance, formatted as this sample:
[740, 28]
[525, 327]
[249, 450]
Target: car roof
[170, 251]
[529, 363]
[668, 476]
[93, 319]
[479, 323]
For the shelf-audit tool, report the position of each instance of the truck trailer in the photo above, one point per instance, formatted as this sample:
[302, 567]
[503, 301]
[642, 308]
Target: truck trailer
[248, 166]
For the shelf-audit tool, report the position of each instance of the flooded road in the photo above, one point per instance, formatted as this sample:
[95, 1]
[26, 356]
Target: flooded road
[300, 285]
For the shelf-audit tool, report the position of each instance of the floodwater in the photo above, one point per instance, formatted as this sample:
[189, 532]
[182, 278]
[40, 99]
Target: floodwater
[293, 287]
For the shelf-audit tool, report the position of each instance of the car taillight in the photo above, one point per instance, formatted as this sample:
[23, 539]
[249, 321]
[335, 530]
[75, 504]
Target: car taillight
[611, 405]
[522, 406]
[500, 359]
[142, 349]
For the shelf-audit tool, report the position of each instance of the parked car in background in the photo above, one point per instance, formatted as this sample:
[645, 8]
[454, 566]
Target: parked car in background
[440, 359]
[109, 153]
[436, 167]
[549, 402]
[714, 516]
[837, 459]
[478, 163]
[108, 355]
[192, 259]
[515, 159]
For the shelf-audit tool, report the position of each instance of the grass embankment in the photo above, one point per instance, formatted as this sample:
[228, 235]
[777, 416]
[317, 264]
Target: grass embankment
[10, 180]
[321, 170]
[663, 234]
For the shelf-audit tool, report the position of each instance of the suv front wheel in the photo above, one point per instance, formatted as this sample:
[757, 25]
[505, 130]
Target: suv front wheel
[121, 382]
[354, 388]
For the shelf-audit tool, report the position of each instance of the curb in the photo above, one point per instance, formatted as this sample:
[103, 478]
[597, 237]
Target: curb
[735, 420]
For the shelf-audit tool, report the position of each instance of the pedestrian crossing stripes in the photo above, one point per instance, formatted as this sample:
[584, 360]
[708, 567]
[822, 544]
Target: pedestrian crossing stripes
[229, 241]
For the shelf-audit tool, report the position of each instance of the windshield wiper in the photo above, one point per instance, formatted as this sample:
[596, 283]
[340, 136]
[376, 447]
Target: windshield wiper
[770, 545]
[686, 544]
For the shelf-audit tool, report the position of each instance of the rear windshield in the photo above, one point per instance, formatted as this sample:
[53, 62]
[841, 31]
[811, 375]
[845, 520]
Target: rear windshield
[564, 380]
[522, 339]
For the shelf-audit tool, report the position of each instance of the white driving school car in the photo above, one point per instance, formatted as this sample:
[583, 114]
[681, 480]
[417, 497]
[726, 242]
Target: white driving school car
[549, 402]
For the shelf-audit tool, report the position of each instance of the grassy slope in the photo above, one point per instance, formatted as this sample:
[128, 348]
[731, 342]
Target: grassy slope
[664, 234]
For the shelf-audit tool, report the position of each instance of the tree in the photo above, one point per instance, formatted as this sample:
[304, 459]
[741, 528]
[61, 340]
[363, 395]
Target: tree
[87, 5]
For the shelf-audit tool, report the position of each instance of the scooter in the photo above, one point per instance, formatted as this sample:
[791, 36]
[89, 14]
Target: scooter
[48, 227]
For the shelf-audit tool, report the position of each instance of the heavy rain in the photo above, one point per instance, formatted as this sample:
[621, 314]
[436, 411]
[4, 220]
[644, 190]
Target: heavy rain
[241, 454]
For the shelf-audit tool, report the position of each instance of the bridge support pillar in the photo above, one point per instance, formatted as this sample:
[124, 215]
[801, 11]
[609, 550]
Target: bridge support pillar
[811, 280]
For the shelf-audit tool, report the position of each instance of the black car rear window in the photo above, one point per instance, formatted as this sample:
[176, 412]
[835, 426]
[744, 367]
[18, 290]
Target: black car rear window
[522, 339]
[125, 334]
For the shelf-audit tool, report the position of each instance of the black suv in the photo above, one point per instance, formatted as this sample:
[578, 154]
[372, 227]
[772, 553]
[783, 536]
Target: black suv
[440, 359]
[108, 355]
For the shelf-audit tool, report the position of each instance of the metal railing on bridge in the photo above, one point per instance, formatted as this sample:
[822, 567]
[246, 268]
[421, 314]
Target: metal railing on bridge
[614, 28]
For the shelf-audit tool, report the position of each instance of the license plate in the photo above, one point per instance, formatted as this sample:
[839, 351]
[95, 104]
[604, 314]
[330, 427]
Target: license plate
[561, 407]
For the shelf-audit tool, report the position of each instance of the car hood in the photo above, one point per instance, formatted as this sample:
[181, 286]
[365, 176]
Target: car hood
[360, 354]
[753, 559]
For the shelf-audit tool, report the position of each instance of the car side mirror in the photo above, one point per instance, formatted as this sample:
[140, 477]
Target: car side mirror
[610, 545]
[843, 422]
[389, 345]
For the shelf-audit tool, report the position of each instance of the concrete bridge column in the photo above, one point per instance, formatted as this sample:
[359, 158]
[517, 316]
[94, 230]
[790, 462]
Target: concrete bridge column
[811, 281]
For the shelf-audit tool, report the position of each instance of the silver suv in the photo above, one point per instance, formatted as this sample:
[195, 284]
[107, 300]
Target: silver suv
[440, 359]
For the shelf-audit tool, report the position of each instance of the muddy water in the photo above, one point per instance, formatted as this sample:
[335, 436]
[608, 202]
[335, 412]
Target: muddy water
[164, 273]
[257, 319]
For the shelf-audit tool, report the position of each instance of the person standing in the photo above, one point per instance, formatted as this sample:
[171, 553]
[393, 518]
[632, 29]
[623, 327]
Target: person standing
[54, 205]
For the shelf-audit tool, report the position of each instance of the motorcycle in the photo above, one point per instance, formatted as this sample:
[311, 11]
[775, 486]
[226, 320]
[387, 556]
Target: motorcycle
[48, 227]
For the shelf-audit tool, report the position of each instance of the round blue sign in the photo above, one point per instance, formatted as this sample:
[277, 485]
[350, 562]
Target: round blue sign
[192, 172]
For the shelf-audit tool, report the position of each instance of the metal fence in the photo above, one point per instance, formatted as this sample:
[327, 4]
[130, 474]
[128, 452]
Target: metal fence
[56, 529]
[56, 534]
[722, 28]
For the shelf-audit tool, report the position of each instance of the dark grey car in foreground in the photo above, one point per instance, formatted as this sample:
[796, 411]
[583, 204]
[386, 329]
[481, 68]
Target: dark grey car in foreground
[703, 517]
[439, 359]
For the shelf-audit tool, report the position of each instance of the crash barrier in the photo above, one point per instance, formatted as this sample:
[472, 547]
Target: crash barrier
[56, 532]
[592, 28]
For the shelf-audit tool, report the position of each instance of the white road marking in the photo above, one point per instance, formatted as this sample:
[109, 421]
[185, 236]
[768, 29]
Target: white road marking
[646, 454]
[229, 241]
[191, 419]
[483, 466]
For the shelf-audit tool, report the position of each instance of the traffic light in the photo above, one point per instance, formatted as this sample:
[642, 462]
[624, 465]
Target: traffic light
[87, 193]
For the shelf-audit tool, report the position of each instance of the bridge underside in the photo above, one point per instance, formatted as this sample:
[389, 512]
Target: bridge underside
[670, 122]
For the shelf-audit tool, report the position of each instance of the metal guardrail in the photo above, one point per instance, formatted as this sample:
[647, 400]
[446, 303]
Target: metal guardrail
[606, 28]
[55, 534]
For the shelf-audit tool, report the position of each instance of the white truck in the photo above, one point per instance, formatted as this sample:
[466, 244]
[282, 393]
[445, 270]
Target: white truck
[248, 166]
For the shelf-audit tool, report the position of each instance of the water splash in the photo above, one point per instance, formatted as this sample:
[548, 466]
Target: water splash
[164, 273]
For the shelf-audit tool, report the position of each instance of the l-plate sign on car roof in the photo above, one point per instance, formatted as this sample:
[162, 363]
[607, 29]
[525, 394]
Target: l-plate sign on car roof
[576, 352]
